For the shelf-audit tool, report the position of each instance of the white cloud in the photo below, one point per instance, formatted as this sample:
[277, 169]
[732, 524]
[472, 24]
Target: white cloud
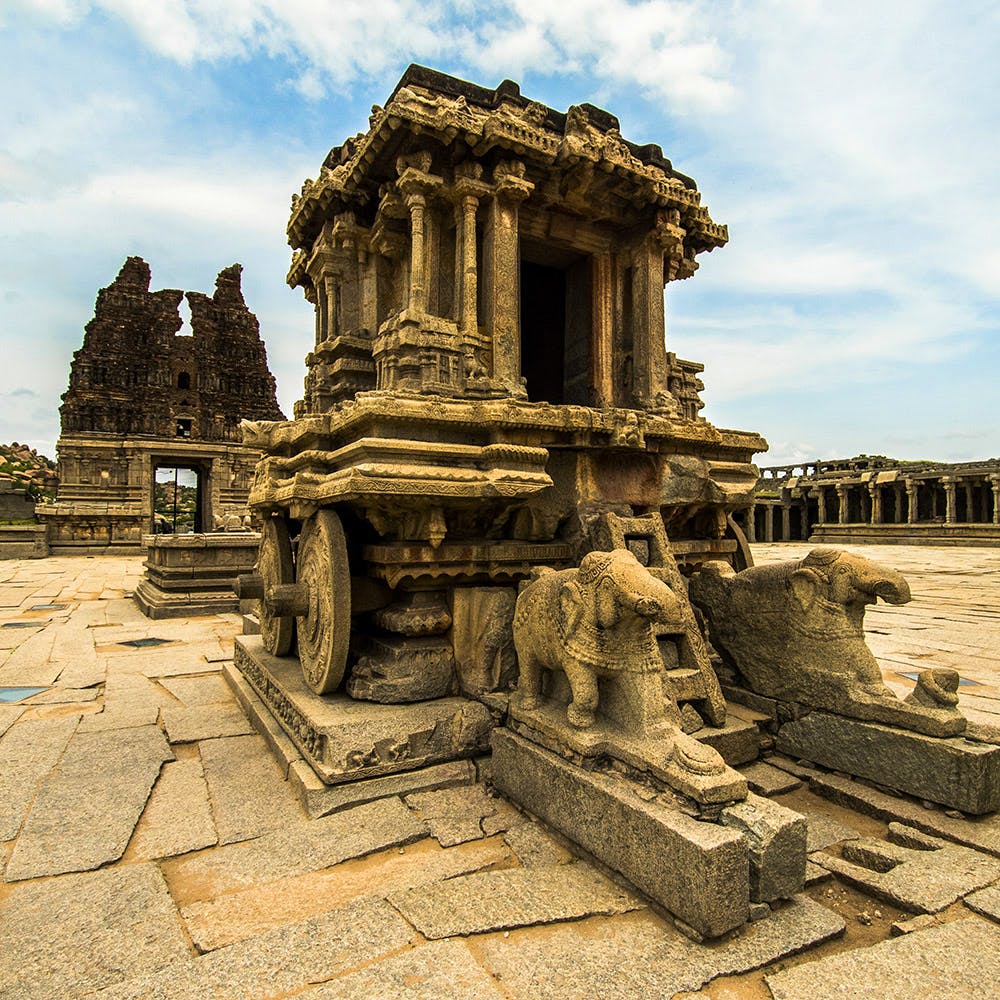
[659, 46]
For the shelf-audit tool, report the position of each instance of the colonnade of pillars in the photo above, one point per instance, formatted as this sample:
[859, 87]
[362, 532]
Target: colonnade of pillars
[945, 500]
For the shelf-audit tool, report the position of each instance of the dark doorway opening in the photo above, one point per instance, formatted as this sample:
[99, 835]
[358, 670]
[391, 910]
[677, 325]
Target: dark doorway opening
[177, 496]
[543, 332]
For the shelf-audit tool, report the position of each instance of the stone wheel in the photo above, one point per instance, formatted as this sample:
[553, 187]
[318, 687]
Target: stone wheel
[742, 557]
[274, 564]
[324, 631]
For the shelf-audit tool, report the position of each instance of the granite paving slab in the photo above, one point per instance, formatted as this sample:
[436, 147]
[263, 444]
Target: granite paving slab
[178, 817]
[534, 846]
[278, 963]
[641, 956]
[28, 751]
[824, 832]
[304, 846]
[956, 961]
[30, 664]
[257, 909]
[65, 696]
[64, 937]
[9, 714]
[86, 810]
[456, 815]
[205, 689]
[441, 970]
[490, 901]
[249, 795]
[204, 722]
[986, 901]
[130, 701]
[923, 880]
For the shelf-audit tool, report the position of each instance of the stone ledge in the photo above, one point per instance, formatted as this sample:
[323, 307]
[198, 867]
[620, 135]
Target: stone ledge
[951, 771]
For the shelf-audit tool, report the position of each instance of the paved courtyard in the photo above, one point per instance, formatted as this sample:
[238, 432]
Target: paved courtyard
[152, 847]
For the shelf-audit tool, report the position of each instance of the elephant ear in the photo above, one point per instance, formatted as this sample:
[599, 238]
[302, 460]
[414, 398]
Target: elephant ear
[570, 606]
[805, 585]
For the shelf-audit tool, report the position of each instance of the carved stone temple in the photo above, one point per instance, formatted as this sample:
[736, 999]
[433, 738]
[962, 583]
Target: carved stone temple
[479, 528]
[878, 500]
[143, 397]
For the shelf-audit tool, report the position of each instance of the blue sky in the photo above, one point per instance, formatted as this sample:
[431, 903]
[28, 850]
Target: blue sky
[852, 148]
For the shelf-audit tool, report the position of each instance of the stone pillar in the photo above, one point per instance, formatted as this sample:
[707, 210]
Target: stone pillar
[649, 368]
[970, 512]
[821, 503]
[501, 266]
[330, 306]
[897, 499]
[769, 522]
[842, 497]
[876, 495]
[468, 191]
[786, 520]
[949, 491]
[416, 203]
[603, 322]
[912, 501]
[995, 483]
[468, 288]
[804, 515]
[752, 523]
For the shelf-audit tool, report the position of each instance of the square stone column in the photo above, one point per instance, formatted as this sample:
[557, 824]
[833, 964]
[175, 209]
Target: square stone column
[876, 494]
[602, 337]
[843, 505]
[995, 483]
[501, 267]
[912, 501]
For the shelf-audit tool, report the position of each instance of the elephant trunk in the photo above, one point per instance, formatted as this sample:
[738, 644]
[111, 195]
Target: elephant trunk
[648, 607]
[891, 587]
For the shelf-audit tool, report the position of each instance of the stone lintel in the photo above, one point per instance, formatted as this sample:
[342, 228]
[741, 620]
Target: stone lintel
[952, 771]
[699, 872]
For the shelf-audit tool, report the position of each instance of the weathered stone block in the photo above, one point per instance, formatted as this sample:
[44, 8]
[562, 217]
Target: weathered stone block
[777, 840]
[952, 771]
[697, 871]
[737, 742]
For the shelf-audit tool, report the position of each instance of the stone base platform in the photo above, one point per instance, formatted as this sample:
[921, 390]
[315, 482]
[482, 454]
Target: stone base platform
[345, 740]
[664, 758]
[953, 771]
[698, 872]
[928, 533]
[194, 574]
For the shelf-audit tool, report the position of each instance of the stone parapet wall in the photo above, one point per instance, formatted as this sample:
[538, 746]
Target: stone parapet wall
[23, 541]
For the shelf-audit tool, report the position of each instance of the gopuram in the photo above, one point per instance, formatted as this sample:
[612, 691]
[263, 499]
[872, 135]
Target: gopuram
[874, 499]
[481, 528]
[142, 397]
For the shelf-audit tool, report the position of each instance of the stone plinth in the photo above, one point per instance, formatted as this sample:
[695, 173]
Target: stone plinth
[346, 740]
[23, 541]
[954, 772]
[699, 872]
[194, 574]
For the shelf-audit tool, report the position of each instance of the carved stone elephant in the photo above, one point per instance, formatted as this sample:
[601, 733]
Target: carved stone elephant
[795, 632]
[590, 622]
